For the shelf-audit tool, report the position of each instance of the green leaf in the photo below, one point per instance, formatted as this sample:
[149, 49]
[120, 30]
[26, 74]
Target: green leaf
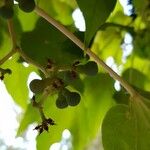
[90, 68]
[5, 42]
[127, 128]
[117, 129]
[63, 16]
[58, 9]
[122, 97]
[31, 115]
[16, 83]
[135, 77]
[78, 85]
[142, 68]
[107, 43]
[47, 42]
[140, 109]
[47, 6]
[95, 102]
[141, 43]
[95, 13]
[25, 18]
[139, 5]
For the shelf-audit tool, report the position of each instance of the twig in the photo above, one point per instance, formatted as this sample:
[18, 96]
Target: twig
[29, 60]
[41, 113]
[39, 106]
[14, 43]
[44, 96]
[12, 33]
[16, 48]
[80, 44]
[5, 58]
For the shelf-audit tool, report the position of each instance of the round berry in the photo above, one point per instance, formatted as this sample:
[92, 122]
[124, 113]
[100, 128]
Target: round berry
[61, 102]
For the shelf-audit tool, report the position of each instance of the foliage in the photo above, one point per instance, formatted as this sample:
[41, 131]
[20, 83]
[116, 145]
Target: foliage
[73, 92]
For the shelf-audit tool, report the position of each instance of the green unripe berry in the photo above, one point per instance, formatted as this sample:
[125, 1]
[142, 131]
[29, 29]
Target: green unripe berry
[61, 101]
[26, 5]
[73, 99]
[90, 68]
[37, 86]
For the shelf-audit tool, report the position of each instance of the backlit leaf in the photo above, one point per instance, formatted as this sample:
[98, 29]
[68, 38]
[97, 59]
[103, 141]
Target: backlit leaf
[95, 13]
[16, 83]
[49, 43]
[127, 128]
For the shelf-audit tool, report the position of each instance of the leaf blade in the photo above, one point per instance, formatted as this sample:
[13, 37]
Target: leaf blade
[127, 128]
[95, 13]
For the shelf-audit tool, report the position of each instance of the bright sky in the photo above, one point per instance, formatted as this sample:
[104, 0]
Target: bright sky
[9, 112]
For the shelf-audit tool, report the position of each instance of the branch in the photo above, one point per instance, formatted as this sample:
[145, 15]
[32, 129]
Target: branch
[80, 44]
[30, 61]
[39, 105]
[113, 74]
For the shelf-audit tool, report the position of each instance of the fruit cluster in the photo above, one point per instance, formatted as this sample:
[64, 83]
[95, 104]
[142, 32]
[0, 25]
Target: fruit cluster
[65, 98]
[59, 81]
[6, 7]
